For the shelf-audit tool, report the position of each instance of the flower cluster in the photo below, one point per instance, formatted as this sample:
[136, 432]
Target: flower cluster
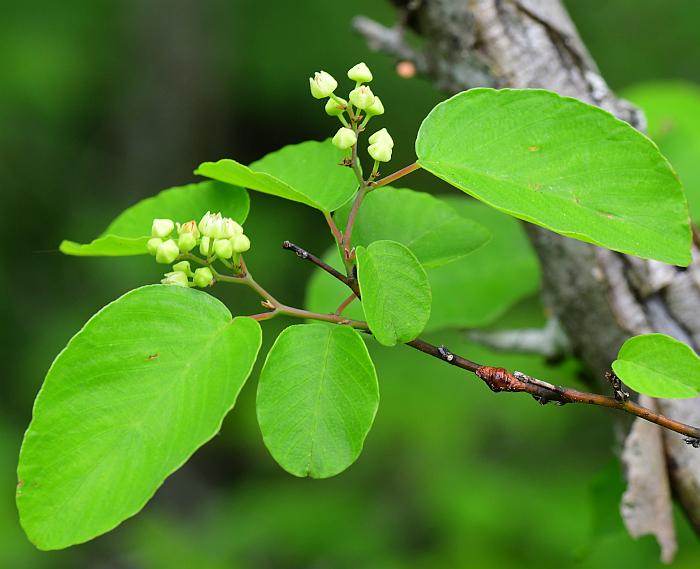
[361, 100]
[218, 237]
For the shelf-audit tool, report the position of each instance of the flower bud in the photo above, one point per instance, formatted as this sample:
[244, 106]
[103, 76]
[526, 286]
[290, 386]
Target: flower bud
[223, 248]
[189, 227]
[377, 108]
[167, 252]
[186, 242]
[205, 246]
[153, 244]
[362, 97]
[380, 151]
[203, 277]
[322, 84]
[162, 227]
[177, 278]
[344, 138]
[240, 243]
[183, 267]
[360, 73]
[209, 223]
[227, 228]
[334, 108]
[382, 137]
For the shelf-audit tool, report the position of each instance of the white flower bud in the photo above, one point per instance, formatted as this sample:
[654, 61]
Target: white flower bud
[228, 228]
[362, 97]
[223, 248]
[205, 246]
[382, 137]
[380, 151]
[203, 277]
[334, 108]
[322, 84]
[240, 243]
[209, 224]
[183, 267]
[177, 278]
[153, 244]
[360, 73]
[189, 227]
[377, 108]
[186, 242]
[344, 138]
[162, 227]
[167, 252]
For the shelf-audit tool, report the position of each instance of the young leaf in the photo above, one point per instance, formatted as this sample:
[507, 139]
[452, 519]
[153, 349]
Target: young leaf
[309, 173]
[395, 291]
[317, 399]
[146, 382]
[428, 226]
[672, 110]
[129, 232]
[658, 365]
[562, 164]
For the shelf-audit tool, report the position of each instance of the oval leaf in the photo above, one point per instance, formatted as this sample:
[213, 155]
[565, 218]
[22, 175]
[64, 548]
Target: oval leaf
[395, 291]
[658, 365]
[145, 383]
[562, 164]
[428, 226]
[130, 231]
[309, 173]
[317, 399]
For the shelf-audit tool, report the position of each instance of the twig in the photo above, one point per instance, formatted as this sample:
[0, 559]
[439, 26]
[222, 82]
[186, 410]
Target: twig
[304, 254]
[345, 303]
[499, 379]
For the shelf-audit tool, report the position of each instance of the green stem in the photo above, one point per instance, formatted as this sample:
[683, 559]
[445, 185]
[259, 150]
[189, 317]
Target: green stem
[333, 227]
[396, 175]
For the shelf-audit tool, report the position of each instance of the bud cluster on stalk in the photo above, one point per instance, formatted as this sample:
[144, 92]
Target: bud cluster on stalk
[215, 236]
[355, 112]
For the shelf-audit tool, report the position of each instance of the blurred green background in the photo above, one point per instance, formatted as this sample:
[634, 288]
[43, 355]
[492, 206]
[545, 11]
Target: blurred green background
[103, 103]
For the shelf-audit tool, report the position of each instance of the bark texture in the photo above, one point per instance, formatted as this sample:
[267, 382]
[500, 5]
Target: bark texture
[600, 298]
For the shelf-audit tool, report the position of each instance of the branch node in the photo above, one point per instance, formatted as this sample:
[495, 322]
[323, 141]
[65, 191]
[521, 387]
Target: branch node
[446, 354]
[620, 394]
[692, 441]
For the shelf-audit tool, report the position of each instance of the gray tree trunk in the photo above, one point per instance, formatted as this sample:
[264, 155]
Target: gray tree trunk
[600, 298]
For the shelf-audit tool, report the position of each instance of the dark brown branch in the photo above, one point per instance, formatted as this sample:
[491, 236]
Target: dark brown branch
[499, 379]
[304, 254]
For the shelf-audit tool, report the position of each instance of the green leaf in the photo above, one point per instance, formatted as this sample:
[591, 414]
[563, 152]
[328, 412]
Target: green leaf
[395, 291]
[146, 382]
[428, 226]
[672, 109]
[476, 290]
[317, 399]
[562, 164]
[130, 231]
[107, 246]
[309, 173]
[658, 365]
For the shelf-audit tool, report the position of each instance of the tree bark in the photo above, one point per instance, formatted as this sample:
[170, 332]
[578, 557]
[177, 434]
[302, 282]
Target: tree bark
[599, 297]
